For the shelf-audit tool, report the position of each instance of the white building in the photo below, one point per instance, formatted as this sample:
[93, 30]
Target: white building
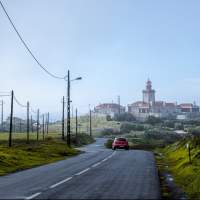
[109, 109]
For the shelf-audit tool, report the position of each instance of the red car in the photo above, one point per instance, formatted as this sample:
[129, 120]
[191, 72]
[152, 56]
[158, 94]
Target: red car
[120, 143]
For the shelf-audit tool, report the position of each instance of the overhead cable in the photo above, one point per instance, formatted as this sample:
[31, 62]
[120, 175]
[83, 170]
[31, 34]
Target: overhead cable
[26, 46]
[20, 104]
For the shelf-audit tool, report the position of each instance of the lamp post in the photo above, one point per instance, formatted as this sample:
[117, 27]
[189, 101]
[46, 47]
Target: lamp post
[67, 78]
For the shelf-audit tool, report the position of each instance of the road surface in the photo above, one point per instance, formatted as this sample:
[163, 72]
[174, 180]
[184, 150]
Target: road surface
[98, 173]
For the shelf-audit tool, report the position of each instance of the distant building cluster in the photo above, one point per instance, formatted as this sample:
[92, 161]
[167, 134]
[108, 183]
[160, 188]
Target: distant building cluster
[109, 109]
[150, 107]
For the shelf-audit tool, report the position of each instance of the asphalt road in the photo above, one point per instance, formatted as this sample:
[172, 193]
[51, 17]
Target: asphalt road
[98, 173]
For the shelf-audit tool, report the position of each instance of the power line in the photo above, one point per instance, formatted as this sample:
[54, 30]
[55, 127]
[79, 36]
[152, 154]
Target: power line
[4, 92]
[32, 110]
[16, 100]
[26, 46]
[5, 95]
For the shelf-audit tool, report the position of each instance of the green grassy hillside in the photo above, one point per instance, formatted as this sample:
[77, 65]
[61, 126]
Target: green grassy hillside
[186, 174]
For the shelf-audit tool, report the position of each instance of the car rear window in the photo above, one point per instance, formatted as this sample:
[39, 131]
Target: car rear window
[121, 139]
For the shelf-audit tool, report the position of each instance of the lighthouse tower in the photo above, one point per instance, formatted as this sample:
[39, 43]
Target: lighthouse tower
[149, 94]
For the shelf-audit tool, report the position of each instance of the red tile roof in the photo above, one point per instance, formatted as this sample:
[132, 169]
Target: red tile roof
[186, 105]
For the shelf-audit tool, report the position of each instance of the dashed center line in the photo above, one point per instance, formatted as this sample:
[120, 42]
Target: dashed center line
[104, 160]
[63, 181]
[33, 196]
[95, 165]
[69, 178]
[85, 170]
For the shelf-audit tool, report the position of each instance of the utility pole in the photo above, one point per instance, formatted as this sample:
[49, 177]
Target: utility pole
[11, 120]
[2, 128]
[76, 124]
[20, 125]
[31, 124]
[68, 110]
[90, 123]
[43, 126]
[27, 122]
[47, 123]
[38, 115]
[63, 118]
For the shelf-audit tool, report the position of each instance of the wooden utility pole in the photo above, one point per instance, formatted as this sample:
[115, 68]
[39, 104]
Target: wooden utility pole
[11, 120]
[20, 125]
[68, 110]
[31, 124]
[76, 123]
[43, 126]
[90, 123]
[189, 152]
[2, 128]
[38, 121]
[27, 122]
[47, 124]
[63, 118]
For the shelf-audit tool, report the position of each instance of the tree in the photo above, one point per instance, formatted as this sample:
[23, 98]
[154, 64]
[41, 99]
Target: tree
[108, 118]
[153, 120]
[169, 123]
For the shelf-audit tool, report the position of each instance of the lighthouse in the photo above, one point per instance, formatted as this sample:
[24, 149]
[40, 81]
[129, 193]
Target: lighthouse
[149, 93]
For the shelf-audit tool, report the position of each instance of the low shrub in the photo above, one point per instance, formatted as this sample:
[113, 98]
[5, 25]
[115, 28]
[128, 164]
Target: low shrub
[108, 143]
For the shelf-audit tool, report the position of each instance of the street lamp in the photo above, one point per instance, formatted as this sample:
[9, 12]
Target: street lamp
[67, 78]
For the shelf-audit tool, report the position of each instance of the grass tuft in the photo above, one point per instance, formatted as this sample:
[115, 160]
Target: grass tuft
[24, 156]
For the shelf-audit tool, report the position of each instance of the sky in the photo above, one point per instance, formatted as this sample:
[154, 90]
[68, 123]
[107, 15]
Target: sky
[114, 45]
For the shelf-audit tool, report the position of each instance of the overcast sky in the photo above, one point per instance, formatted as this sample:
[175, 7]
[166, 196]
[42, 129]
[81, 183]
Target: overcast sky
[115, 45]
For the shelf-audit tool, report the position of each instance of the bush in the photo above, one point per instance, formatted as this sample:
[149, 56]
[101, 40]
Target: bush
[165, 137]
[128, 127]
[110, 131]
[179, 126]
[124, 117]
[195, 131]
[82, 139]
[108, 118]
[108, 144]
[169, 124]
[153, 120]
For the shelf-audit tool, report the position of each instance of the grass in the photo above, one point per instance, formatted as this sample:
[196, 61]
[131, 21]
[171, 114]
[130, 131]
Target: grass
[33, 136]
[186, 174]
[23, 156]
[98, 123]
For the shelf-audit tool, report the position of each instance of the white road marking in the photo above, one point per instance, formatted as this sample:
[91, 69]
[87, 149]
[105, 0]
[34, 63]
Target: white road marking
[67, 179]
[63, 181]
[104, 160]
[85, 170]
[95, 165]
[33, 196]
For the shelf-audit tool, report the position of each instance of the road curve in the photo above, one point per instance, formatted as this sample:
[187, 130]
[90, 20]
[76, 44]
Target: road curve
[98, 173]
